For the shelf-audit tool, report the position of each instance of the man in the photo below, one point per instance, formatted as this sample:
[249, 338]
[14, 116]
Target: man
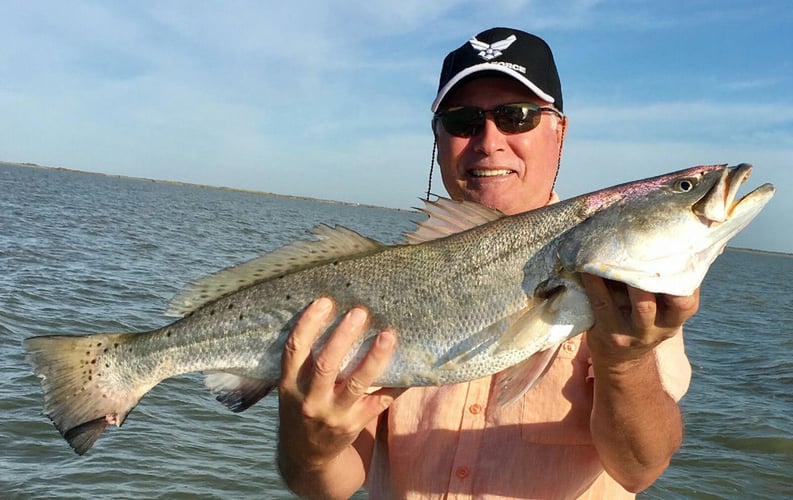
[602, 423]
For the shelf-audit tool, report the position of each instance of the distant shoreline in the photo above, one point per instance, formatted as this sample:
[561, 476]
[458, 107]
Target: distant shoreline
[192, 184]
[764, 252]
[294, 197]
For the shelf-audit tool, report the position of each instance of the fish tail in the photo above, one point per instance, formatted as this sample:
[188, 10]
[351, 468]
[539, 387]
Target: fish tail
[84, 388]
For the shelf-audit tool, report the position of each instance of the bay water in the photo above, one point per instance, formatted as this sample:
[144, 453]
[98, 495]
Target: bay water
[86, 253]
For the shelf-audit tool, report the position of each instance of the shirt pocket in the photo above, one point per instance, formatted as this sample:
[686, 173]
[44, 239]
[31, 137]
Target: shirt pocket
[557, 410]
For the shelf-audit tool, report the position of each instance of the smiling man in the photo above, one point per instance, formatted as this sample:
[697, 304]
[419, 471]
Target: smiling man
[480, 161]
[602, 423]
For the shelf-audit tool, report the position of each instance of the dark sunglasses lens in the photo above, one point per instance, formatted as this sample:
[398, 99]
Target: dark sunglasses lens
[468, 121]
[517, 118]
[465, 121]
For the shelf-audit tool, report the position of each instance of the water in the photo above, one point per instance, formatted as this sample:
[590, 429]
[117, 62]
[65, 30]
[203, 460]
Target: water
[86, 253]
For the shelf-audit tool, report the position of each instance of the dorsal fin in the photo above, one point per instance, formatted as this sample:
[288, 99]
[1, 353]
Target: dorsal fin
[447, 217]
[332, 243]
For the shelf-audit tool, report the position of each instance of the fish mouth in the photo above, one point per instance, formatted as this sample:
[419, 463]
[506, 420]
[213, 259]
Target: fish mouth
[719, 204]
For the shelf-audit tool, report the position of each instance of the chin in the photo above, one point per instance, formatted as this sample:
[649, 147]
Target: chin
[499, 201]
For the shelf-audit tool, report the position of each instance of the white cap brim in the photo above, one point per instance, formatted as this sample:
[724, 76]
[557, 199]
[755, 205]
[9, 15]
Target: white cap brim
[489, 66]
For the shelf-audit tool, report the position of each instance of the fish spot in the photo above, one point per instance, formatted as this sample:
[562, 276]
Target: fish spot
[168, 333]
[288, 297]
[349, 284]
[241, 316]
[211, 312]
[231, 306]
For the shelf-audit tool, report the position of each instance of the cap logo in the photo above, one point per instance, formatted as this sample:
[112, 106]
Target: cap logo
[489, 52]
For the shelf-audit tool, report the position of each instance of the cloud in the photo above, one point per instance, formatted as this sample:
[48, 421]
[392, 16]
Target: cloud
[331, 100]
[756, 124]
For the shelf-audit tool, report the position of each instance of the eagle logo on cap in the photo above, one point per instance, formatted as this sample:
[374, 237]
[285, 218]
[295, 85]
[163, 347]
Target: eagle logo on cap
[492, 50]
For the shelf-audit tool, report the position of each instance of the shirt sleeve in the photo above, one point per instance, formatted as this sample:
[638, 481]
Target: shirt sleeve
[673, 366]
[674, 369]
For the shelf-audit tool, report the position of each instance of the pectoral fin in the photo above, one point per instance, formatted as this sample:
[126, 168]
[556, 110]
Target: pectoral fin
[514, 382]
[561, 311]
[539, 325]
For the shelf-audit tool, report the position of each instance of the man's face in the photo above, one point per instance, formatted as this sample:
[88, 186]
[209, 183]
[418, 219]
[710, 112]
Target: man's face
[510, 172]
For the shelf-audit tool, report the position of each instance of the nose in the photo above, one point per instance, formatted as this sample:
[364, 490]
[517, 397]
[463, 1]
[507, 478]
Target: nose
[490, 139]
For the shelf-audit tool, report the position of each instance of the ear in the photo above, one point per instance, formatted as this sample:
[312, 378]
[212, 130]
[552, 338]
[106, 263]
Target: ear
[436, 122]
[561, 130]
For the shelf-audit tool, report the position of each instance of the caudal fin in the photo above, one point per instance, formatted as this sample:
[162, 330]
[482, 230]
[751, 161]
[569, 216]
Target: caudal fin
[83, 389]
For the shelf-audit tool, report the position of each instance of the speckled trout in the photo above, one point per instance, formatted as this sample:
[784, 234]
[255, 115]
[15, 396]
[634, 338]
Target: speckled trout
[470, 293]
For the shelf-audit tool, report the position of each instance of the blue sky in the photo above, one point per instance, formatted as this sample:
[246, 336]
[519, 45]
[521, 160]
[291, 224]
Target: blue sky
[331, 99]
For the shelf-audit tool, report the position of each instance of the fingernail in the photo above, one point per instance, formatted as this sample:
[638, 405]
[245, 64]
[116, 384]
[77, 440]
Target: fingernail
[385, 340]
[323, 305]
[357, 316]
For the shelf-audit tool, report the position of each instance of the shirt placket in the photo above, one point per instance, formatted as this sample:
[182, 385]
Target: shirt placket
[472, 426]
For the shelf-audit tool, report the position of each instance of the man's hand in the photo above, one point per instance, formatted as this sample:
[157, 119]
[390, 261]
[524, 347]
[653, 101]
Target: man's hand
[629, 323]
[635, 423]
[321, 413]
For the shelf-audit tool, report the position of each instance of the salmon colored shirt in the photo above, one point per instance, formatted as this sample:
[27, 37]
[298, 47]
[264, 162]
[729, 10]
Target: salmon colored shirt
[445, 442]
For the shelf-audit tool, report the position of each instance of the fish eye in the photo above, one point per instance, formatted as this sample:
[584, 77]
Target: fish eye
[685, 185]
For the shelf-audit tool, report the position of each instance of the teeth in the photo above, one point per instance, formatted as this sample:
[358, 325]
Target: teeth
[490, 173]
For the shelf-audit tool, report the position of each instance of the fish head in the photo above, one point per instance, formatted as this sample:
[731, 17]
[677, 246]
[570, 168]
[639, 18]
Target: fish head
[663, 233]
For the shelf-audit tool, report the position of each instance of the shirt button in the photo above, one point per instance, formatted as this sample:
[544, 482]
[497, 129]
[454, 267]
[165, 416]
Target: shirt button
[462, 472]
[475, 408]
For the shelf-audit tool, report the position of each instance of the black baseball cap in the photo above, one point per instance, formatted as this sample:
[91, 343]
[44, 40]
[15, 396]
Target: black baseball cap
[503, 51]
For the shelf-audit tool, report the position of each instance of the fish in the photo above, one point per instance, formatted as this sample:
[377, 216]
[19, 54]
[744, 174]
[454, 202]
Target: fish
[469, 293]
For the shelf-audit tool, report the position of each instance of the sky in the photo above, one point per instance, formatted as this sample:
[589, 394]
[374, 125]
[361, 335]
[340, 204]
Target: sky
[331, 100]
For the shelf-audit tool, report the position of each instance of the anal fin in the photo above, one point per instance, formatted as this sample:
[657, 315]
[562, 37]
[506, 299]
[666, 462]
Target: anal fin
[237, 392]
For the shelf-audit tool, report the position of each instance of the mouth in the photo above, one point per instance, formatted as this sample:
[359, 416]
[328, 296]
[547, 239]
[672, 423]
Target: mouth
[736, 178]
[718, 205]
[481, 172]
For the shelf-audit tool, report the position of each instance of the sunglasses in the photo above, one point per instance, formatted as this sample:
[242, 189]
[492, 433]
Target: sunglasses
[468, 121]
